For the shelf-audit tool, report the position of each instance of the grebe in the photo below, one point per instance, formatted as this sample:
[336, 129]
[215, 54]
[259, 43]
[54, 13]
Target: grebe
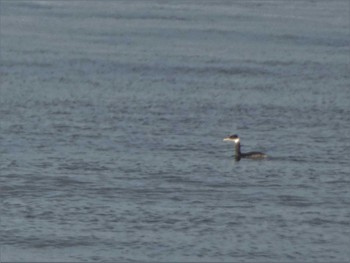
[252, 155]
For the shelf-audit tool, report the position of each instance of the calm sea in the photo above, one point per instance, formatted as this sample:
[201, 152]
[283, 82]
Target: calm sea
[112, 115]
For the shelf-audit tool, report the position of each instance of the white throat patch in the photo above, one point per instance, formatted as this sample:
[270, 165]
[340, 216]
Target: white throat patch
[236, 140]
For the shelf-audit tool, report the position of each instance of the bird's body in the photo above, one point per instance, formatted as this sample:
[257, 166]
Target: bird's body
[238, 154]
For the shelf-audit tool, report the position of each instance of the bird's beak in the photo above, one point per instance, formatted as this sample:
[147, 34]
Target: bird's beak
[226, 139]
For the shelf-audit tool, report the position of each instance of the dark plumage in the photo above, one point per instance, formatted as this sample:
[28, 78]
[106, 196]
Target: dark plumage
[238, 154]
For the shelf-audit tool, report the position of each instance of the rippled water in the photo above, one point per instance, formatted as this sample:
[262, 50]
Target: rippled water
[112, 120]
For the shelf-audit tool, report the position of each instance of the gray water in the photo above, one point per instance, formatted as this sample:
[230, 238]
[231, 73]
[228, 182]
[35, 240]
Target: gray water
[112, 120]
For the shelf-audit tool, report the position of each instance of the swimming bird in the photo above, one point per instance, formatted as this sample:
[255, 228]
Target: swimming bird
[238, 154]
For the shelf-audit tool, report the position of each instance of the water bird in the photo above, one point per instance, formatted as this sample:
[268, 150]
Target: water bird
[238, 154]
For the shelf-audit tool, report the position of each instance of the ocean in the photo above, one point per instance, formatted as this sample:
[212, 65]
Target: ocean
[112, 119]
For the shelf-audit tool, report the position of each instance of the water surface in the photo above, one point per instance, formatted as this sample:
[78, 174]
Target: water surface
[112, 120]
